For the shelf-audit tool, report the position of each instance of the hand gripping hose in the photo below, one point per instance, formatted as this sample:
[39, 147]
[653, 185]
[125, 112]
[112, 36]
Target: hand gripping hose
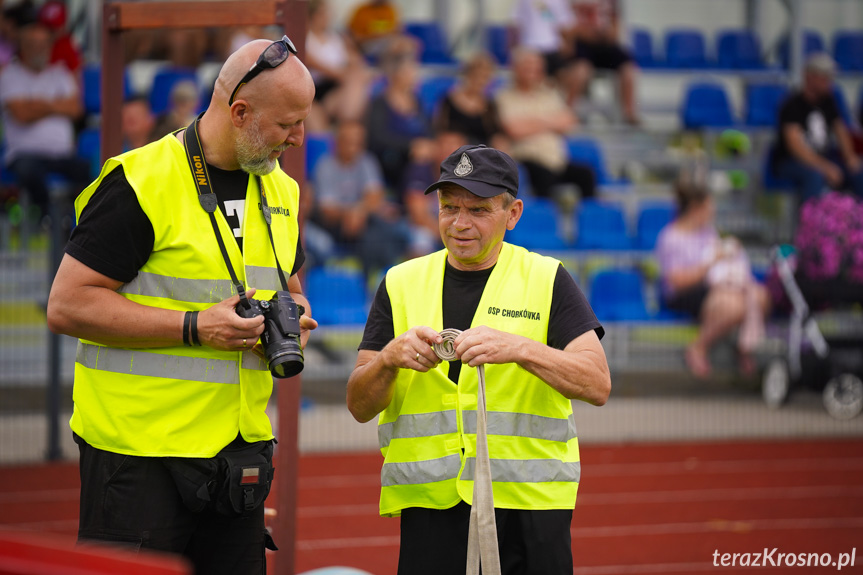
[482, 533]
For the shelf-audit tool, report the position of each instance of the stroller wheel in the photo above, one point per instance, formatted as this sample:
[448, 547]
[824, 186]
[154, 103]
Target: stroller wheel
[843, 396]
[775, 384]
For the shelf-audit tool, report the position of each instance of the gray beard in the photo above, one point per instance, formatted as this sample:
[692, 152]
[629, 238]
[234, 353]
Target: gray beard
[252, 152]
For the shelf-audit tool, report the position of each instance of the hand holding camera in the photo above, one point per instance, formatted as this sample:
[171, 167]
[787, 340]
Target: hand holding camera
[281, 335]
[221, 328]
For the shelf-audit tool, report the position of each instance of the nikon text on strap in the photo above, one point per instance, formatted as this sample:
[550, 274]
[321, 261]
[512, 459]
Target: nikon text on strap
[209, 201]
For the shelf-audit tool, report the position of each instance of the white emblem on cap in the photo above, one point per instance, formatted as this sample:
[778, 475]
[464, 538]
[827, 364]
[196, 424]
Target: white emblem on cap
[464, 166]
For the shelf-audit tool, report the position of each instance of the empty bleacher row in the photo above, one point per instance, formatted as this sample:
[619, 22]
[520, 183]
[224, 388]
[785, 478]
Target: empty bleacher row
[682, 48]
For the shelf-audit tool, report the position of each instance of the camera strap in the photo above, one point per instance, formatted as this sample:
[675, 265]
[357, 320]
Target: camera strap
[209, 201]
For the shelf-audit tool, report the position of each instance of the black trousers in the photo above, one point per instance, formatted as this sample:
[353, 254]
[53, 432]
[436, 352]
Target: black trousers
[434, 542]
[542, 180]
[133, 502]
[31, 173]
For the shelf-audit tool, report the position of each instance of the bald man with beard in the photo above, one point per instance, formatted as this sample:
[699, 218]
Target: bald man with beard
[170, 384]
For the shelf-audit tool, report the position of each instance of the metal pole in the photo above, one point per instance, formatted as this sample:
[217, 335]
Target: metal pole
[292, 15]
[56, 208]
[795, 44]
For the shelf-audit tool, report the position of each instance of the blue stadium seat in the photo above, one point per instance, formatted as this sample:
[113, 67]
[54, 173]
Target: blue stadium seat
[317, 145]
[587, 151]
[163, 81]
[432, 90]
[497, 40]
[842, 104]
[90, 148]
[738, 50]
[706, 106]
[537, 228]
[651, 219]
[763, 102]
[525, 191]
[433, 46]
[685, 48]
[812, 42]
[618, 295]
[337, 296]
[92, 87]
[7, 178]
[601, 226]
[848, 49]
[642, 48]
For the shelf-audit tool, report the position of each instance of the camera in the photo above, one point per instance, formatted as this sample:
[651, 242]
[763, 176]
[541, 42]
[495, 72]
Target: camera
[281, 337]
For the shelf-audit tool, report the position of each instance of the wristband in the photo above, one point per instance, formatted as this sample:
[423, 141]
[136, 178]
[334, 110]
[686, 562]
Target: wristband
[186, 318]
[194, 329]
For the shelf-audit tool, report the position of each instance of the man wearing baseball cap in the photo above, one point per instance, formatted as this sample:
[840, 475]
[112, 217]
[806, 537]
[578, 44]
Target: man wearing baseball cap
[524, 319]
[814, 149]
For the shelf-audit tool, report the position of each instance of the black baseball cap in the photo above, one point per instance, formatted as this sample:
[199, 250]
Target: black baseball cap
[483, 171]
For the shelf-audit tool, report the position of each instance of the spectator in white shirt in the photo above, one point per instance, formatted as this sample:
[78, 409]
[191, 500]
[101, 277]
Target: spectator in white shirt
[40, 102]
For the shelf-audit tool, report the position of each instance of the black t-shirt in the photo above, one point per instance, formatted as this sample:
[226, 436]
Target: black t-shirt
[477, 128]
[570, 316]
[815, 119]
[115, 237]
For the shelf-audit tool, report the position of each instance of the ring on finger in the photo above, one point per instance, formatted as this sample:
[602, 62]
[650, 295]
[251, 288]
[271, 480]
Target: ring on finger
[244, 342]
[418, 357]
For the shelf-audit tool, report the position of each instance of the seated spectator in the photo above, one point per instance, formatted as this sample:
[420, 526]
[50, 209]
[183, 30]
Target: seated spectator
[536, 120]
[53, 15]
[338, 69]
[545, 27]
[814, 149]
[423, 171]
[40, 102]
[597, 46]
[710, 279]
[396, 120]
[137, 123]
[351, 203]
[183, 103]
[373, 25]
[468, 110]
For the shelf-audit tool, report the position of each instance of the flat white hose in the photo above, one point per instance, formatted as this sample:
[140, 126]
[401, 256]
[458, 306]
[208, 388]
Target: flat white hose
[482, 533]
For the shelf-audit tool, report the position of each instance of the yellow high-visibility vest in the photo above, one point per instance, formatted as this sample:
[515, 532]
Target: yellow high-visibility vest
[184, 401]
[427, 434]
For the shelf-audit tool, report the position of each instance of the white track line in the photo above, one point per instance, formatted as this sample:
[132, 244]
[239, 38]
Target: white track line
[715, 527]
[636, 497]
[690, 466]
[647, 568]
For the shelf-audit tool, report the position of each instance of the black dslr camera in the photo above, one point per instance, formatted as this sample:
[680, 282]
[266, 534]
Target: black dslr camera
[281, 337]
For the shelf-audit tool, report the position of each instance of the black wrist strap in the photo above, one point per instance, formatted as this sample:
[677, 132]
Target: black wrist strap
[186, 318]
[198, 165]
[193, 330]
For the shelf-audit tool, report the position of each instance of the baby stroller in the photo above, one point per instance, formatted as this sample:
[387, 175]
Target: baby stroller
[834, 364]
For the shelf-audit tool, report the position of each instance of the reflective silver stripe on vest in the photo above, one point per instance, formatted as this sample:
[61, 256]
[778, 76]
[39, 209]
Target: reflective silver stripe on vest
[412, 472]
[527, 470]
[252, 360]
[143, 363]
[265, 278]
[524, 425]
[179, 289]
[417, 425]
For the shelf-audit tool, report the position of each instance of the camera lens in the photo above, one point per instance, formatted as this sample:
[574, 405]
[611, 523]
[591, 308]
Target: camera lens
[287, 361]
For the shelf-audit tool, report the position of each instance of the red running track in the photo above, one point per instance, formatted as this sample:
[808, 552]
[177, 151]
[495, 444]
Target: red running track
[643, 508]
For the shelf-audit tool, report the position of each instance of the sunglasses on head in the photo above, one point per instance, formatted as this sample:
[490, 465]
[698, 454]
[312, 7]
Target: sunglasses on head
[271, 57]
